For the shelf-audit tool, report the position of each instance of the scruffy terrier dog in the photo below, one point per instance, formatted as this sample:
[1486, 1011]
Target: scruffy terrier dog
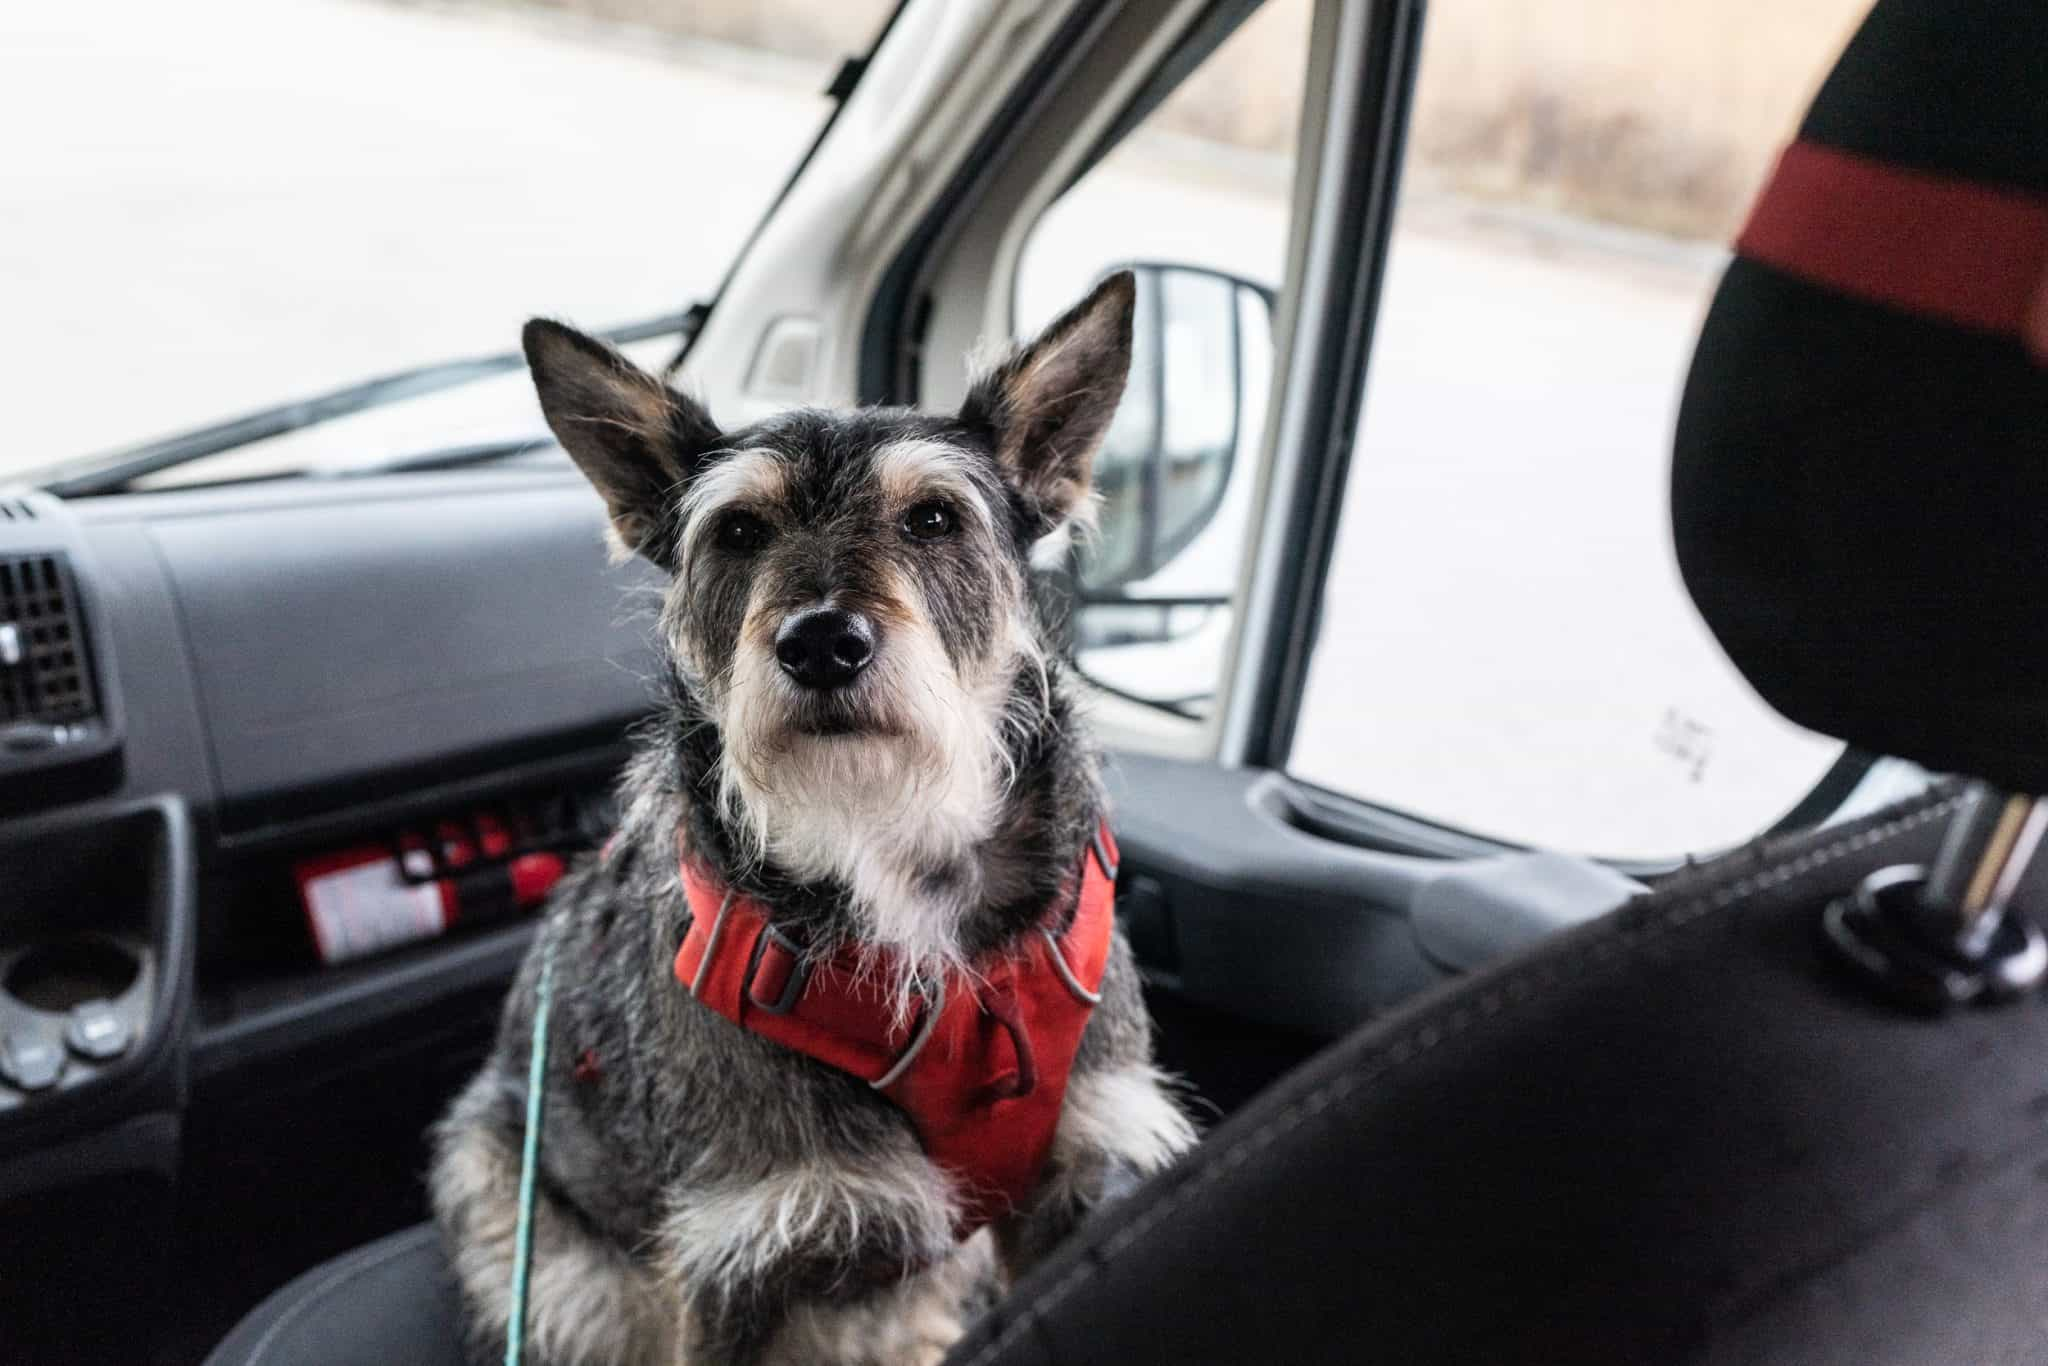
[822, 1068]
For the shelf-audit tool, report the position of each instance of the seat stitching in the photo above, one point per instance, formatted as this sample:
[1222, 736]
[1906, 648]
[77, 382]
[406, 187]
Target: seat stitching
[328, 1284]
[1516, 991]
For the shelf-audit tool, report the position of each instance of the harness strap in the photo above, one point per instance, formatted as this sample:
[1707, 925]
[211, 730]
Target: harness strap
[979, 1067]
[985, 1113]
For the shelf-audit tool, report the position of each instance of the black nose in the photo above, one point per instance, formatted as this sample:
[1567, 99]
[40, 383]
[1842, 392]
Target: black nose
[824, 647]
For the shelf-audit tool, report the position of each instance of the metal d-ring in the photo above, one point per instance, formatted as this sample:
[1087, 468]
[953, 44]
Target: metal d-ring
[935, 1005]
[1066, 971]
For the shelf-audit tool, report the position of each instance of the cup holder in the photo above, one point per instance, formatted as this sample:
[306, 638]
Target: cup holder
[69, 972]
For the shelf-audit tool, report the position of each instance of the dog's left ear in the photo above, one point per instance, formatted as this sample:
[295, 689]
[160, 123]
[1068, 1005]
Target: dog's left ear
[1048, 406]
[636, 439]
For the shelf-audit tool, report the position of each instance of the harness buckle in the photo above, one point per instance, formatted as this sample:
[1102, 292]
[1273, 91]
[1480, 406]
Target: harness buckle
[1101, 851]
[788, 965]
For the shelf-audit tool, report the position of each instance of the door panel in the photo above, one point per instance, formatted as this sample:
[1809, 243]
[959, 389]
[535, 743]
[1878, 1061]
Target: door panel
[1236, 902]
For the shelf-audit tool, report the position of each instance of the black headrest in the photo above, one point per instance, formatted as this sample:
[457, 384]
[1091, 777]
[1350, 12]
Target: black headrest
[1860, 484]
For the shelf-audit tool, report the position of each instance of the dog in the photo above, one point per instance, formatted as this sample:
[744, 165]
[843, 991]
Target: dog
[869, 745]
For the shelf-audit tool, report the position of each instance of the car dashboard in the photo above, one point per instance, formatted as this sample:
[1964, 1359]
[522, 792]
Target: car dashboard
[204, 693]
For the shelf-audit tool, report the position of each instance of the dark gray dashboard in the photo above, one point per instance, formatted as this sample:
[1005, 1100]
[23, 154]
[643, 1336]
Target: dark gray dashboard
[205, 692]
[301, 636]
[279, 669]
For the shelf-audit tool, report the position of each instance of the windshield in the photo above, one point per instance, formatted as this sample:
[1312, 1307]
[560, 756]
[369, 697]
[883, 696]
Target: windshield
[217, 206]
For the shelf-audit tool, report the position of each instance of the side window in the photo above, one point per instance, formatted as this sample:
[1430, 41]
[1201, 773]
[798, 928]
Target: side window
[1505, 644]
[1196, 196]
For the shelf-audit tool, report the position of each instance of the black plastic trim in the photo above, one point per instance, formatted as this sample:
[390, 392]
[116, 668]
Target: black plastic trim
[1337, 348]
[1355, 823]
[152, 1075]
[336, 1002]
[40, 779]
[1829, 793]
[1267, 922]
[339, 818]
[1345, 820]
[141, 1143]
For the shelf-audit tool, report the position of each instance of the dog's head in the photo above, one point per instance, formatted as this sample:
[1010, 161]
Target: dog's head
[850, 599]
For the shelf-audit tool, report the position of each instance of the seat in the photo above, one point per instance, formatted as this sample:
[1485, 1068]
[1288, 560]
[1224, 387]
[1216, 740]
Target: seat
[1669, 1137]
[388, 1302]
[1682, 1133]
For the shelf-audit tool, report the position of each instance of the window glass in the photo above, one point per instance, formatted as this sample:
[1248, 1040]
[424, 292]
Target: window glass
[218, 205]
[1197, 196]
[1505, 644]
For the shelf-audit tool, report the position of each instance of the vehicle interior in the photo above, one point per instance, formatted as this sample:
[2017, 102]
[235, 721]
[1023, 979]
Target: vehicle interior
[1701, 1076]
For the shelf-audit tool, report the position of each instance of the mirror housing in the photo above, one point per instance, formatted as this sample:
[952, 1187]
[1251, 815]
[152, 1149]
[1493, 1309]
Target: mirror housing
[1168, 455]
[1161, 563]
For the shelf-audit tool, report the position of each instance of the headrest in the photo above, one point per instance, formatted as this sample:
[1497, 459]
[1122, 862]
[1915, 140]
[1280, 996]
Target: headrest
[1860, 482]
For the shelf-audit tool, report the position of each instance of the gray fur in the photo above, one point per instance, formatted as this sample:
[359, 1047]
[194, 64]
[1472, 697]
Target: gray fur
[707, 1196]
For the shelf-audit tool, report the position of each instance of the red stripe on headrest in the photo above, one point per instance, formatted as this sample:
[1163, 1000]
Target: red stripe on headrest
[1945, 248]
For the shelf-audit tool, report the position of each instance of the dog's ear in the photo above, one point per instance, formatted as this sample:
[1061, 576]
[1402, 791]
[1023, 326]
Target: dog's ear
[1048, 405]
[635, 438]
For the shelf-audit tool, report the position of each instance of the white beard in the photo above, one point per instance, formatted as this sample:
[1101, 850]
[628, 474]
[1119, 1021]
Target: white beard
[878, 813]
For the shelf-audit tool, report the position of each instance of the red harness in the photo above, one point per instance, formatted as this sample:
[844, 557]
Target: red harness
[980, 1068]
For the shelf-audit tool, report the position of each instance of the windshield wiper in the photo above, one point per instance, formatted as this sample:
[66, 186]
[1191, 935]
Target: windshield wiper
[111, 472]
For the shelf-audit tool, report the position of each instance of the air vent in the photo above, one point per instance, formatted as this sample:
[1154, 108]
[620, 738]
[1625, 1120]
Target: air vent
[45, 671]
[15, 510]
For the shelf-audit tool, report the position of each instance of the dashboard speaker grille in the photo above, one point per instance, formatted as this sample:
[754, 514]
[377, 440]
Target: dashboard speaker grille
[45, 671]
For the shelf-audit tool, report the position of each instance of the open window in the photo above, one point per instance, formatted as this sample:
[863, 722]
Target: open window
[1380, 608]
[1505, 646]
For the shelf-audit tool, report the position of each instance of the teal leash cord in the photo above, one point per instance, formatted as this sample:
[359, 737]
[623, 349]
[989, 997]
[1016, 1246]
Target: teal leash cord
[529, 1160]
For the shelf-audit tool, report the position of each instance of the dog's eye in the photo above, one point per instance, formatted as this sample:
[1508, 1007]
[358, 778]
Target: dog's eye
[928, 521]
[743, 532]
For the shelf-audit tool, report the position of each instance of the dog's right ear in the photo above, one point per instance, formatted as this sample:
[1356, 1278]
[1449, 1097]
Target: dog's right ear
[636, 439]
[1049, 405]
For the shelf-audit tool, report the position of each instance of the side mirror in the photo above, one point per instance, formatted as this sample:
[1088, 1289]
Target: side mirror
[1162, 561]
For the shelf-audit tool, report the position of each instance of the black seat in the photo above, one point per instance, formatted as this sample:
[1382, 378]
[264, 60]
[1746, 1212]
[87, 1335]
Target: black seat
[1682, 1133]
[386, 1303]
[1671, 1136]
